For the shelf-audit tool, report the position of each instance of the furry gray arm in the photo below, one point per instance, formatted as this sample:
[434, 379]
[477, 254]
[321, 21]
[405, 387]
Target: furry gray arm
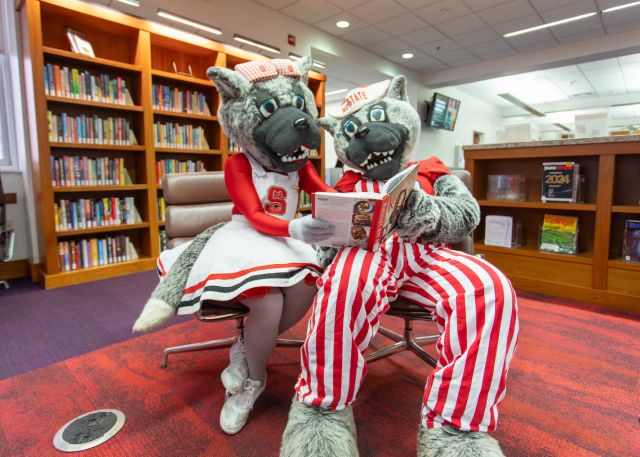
[325, 256]
[447, 217]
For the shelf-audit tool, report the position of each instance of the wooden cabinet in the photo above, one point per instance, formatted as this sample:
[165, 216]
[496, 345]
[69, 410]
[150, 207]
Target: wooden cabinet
[597, 274]
[141, 56]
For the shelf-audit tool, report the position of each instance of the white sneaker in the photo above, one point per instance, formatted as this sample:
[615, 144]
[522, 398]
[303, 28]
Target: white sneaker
[236, 408]
[237, 372]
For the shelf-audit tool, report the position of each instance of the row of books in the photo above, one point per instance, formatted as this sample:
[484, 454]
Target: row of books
[168, 98]
[161, 208]
[64, 128]
[304, 200]
[168, 166]
[93, 252]
[84, 85]
[73, 171]
[233, 147]
[95, 212]
[174, 135]
[164, 240]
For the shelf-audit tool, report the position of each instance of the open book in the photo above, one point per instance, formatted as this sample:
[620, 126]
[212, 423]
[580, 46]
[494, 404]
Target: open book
[365, 219]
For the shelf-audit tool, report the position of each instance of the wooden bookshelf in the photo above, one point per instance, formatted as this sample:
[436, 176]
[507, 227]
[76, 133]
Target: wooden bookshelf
[142, 54]
[597, 274]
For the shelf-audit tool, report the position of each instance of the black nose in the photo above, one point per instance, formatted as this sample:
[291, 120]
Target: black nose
[302, 123]
[362, 132]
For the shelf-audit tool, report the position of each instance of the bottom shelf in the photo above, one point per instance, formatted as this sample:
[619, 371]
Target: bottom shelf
[94, 273]
[533, 251]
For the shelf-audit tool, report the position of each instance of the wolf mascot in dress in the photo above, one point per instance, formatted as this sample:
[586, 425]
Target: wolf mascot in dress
[472, 302]
[262, 257]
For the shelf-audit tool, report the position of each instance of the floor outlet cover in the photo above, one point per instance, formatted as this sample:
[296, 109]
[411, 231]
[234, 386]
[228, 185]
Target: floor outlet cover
[88, 430]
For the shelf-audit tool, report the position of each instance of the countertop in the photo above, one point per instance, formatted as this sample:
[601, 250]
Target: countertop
[531, 144]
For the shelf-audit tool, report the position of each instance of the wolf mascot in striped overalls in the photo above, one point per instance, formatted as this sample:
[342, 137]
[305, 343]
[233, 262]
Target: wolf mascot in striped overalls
[472, 302]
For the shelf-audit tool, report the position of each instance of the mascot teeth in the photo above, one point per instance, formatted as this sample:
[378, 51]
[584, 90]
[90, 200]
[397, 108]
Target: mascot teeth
[376, 158]
[298, 154]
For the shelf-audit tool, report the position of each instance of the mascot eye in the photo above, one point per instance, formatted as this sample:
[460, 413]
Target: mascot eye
[298, 102]
[378, 114]
[350, 128]
[268, 107]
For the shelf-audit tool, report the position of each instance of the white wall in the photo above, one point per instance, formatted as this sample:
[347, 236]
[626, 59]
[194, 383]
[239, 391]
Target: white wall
[474, 115]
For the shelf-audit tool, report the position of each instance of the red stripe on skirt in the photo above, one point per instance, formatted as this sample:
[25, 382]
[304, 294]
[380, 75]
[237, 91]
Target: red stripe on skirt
[241, 273]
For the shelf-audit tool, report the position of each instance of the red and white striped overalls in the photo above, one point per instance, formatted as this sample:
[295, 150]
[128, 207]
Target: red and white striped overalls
[474, 306]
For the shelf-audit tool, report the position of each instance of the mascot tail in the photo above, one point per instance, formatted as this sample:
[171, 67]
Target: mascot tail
[166, 297]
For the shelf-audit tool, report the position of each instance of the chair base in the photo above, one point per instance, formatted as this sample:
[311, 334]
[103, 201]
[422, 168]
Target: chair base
[219, 344]
[405, 342]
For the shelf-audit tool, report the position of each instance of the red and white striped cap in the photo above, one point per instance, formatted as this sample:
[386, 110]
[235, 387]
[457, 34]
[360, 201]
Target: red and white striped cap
[264, 70]
[361, 96]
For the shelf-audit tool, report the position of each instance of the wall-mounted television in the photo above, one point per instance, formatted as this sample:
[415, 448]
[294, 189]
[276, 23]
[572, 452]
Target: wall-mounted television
[443, 112]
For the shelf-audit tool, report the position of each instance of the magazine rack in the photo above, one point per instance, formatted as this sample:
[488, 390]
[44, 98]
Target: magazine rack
[597, 273]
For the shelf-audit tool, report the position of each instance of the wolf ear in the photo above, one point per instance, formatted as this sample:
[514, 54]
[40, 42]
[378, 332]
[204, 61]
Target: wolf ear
[230, 84]
[304, 64]
[398, 88]
[329, 124]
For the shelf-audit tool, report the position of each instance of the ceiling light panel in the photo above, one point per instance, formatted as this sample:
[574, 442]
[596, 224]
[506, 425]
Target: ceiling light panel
[530, 90]
[621, 7]
[256, 44]
[551, 24]
[186, 21]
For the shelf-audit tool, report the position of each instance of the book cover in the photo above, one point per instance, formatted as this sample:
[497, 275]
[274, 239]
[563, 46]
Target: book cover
[631, 241]
[559, 234]
[79, 43]
[560, 181]
[498, 231]
[364, 219]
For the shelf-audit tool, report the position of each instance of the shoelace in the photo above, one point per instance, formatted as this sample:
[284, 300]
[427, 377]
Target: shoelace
[246, 397]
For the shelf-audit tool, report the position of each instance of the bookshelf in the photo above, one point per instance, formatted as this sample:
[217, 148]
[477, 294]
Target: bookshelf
[597, 273]
[131, 83]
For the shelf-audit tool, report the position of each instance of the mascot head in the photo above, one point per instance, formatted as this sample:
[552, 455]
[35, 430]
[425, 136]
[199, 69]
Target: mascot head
[376, 129]
[268, 110]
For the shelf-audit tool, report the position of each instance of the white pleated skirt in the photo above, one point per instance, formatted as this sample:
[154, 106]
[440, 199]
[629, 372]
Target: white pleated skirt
[238, 261]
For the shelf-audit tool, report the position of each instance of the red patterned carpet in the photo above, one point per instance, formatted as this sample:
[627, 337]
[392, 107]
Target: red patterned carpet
[573, 391]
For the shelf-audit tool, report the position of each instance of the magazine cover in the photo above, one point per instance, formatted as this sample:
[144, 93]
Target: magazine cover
[364, 219]
[560, 181]
[559, 234]
[631, 243]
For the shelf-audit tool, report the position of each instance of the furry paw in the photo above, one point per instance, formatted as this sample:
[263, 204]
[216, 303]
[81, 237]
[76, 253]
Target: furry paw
[319, 432]
[420, 215]
[154, 313]
[325, 256]
[449, 442]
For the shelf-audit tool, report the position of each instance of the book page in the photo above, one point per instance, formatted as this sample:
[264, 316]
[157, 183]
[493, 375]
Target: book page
[365, 219]
[350, 213]
[398, 189]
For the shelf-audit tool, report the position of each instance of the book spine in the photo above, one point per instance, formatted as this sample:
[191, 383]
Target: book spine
[377, 223]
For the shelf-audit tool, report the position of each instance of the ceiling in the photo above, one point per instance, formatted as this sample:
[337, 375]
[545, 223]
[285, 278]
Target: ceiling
[455, 33]
[601, 78]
